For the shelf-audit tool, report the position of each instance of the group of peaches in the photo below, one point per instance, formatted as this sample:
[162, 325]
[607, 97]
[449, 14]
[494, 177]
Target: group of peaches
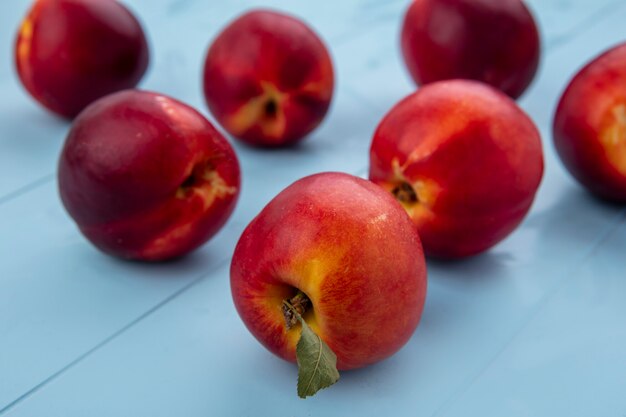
[454, 167]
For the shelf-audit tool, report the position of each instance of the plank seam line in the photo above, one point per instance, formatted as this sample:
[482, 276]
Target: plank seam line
[27, 188]
[109, 339]
[541, 305]
[121, 331]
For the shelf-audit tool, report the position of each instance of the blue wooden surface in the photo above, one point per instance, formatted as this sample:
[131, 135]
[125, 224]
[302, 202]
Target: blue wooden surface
[535, 327]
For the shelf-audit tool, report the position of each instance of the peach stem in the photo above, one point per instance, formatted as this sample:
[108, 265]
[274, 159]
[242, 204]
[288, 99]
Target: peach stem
[405, 193]
[294, 307]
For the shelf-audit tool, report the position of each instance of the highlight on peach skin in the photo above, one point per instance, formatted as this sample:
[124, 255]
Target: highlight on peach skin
[69, 53]
[589, 128]
[147, 177]
[336, 255]
[268, 79]
[465, 162]
[493, 41]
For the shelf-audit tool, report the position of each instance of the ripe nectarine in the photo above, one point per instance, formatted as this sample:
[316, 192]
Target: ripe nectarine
[345, 253]
[493, 41]
[71, 52]
[268, 79]
[590, 125]
[147, 177]
[465, 162]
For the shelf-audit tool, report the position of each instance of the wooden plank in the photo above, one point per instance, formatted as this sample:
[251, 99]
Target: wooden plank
[569, 358]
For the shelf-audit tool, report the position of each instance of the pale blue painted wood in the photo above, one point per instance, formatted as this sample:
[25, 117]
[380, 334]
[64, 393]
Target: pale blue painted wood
[83, 334]
[569, 359]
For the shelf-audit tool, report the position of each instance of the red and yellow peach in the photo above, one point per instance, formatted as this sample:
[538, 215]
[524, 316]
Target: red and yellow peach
[268, 79]
[465, 162]
[590, 125]
[147, 177]
[345, 247]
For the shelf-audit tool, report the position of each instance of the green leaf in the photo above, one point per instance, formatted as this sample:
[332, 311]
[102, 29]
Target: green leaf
[317, 363]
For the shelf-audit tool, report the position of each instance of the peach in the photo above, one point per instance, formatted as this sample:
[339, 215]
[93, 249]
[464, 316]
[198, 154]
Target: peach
[70, 53]
[348, 252]
[147, 177]
[493, 41]
[590, 125]
[268, 79]
[465, 162]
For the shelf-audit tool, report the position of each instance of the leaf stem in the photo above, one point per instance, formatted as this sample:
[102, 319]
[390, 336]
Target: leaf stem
[317, 363]
[294, 308]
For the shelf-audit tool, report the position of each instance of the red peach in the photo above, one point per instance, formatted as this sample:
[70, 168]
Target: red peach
[465, 162]
[147, 177]
[268, 79]
[351, 250]
[70, 53]
[493, 41]
[590, 125]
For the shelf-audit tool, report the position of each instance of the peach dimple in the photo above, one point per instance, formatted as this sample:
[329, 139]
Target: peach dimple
[292, 325]
[417, 195]
[265, 110]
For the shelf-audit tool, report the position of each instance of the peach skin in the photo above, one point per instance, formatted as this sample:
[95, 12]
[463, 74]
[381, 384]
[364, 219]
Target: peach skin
[147, 177]
[345, 252]
[69, 53]
[268, 79]
[493, 41]
[589, 127]
[465, 162]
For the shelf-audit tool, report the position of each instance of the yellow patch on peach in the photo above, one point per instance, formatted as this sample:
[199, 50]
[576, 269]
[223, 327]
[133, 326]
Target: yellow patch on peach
[255, 112]
[321, 89]
[613, 137]
[161, 244]
[311, 271]
[24, 47]
[212, 187]
[308, 269]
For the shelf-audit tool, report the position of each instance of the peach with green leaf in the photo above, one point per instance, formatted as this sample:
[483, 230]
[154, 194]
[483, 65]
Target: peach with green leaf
[332, 269]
